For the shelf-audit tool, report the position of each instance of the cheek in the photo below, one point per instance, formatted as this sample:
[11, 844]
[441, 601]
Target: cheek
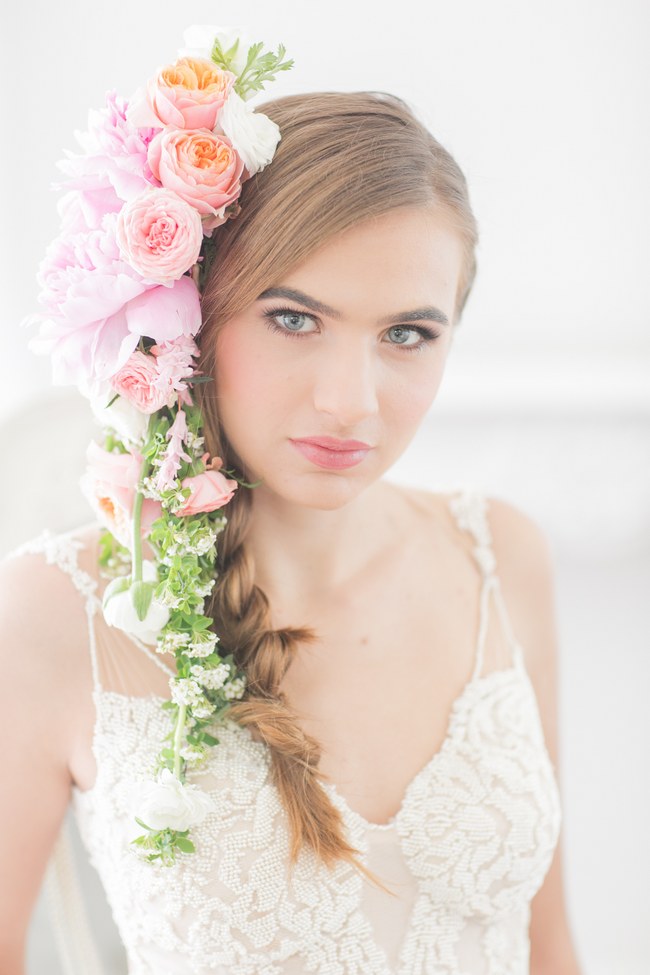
[410, 399]
[240, 375]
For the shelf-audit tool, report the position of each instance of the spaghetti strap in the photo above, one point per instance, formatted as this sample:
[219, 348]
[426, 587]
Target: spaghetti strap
[470, 510]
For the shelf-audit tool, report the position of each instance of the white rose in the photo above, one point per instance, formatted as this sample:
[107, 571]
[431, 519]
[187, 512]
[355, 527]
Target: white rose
[127, 421]
[120, 612]
[169, 804]
[255, 136]
[199, 39]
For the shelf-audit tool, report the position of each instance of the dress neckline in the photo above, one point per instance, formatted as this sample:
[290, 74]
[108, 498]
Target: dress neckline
[515, 669]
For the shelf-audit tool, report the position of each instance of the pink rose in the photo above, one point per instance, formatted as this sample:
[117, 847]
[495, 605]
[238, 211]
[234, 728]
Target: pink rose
[189, 93]
[109, 485]
[137, 380]
[210, 490]
[160, 235]
[201, 167]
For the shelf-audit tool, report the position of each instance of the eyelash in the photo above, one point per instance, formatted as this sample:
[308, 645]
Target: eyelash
[428, 334]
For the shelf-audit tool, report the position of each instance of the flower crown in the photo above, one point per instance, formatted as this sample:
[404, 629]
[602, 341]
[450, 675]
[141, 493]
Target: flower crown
[120, 287]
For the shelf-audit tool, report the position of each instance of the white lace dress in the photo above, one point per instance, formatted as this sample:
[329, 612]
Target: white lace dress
[465, 854]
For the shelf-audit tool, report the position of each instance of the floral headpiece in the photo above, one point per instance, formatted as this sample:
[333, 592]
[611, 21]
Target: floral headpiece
[121, 295]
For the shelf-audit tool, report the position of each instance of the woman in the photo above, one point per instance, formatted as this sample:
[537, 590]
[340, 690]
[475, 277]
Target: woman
[382, 795]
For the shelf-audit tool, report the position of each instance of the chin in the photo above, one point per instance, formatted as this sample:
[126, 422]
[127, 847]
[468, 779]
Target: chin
[324, 491]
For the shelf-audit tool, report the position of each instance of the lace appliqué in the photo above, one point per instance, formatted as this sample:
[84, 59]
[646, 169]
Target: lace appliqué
[470, 510]
[62, 550]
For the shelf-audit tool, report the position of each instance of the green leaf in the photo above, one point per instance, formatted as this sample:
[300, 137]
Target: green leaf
[186, 846]
[141, 596]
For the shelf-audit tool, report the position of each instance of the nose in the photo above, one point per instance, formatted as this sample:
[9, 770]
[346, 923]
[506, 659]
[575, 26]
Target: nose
[345, 384]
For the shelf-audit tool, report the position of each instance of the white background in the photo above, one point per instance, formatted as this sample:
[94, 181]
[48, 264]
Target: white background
[546, 399]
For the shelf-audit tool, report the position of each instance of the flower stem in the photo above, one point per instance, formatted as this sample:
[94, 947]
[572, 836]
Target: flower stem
[178, 735]
[136, 560]
[137, 535]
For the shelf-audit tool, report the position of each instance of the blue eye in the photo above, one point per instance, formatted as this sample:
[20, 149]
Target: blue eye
[293, 320]
[420, 334]
[401, 332]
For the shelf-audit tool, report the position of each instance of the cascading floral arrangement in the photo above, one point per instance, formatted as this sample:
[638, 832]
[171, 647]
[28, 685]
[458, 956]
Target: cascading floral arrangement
[120, 291]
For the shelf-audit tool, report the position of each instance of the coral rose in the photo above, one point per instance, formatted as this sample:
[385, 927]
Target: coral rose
[210, 490]
[109, 485]
[160, 235]
[202, 167]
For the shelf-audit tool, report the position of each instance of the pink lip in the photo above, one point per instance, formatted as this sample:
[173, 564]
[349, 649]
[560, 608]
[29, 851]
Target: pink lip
[333, 444]
[331, 459]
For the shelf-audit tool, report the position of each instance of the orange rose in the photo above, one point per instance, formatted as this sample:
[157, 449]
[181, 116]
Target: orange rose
[189, 93]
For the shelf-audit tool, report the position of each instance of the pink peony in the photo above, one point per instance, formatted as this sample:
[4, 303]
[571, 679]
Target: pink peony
[109, 484]
[97, 307]
[113, 167]
[210, 490]
[202, 167]
[136, 382]
[189, 93]
[160, 235]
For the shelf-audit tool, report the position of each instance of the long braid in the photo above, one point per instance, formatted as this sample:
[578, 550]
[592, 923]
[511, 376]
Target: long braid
[242, 617]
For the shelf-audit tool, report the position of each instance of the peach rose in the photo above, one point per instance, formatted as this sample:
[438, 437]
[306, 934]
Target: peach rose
[202, 167]
[136, 382]
[189, 93]
[109, 485]
[160, 235]
[210, 490]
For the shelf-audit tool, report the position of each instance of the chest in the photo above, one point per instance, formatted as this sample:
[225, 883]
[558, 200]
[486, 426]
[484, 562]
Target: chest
[377, 688]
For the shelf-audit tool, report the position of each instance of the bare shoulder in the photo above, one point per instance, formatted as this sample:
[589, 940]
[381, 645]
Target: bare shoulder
[523, 557]
[44, 584]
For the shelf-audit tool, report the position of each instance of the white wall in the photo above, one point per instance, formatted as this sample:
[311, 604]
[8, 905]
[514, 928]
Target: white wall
[546, 401]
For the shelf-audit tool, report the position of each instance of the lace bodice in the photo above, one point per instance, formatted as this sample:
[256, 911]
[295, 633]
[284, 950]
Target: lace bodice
[466, 852]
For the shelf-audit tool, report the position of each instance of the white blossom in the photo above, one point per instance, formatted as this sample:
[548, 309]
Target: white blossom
[168, 803]
[186, 691]
[211, 677]
[204, 645]
[119, 611]
[170, 642]
[234, 688]
[254, 135]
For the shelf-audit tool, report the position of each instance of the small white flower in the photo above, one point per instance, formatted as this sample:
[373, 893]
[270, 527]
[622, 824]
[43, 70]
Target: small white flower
[203, 646]
[170, 642]
[193, 754]
[167, 803]
[204, 709]
[234, 688]
[206, 589]
[255, 136]
[211, 677]
[186, 691]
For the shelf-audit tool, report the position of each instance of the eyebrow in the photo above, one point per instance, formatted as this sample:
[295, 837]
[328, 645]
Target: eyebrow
[428, 312]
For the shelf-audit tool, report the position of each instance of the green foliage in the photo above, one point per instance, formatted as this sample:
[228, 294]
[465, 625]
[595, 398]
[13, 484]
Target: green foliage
[259, 68]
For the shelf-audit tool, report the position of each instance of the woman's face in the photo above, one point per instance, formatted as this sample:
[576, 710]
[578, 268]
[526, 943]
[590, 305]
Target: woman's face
[349, 345]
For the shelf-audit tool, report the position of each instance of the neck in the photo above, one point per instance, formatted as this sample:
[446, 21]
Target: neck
[301, 553]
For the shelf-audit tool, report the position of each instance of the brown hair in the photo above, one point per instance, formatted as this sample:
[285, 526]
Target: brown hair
[342, 158]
